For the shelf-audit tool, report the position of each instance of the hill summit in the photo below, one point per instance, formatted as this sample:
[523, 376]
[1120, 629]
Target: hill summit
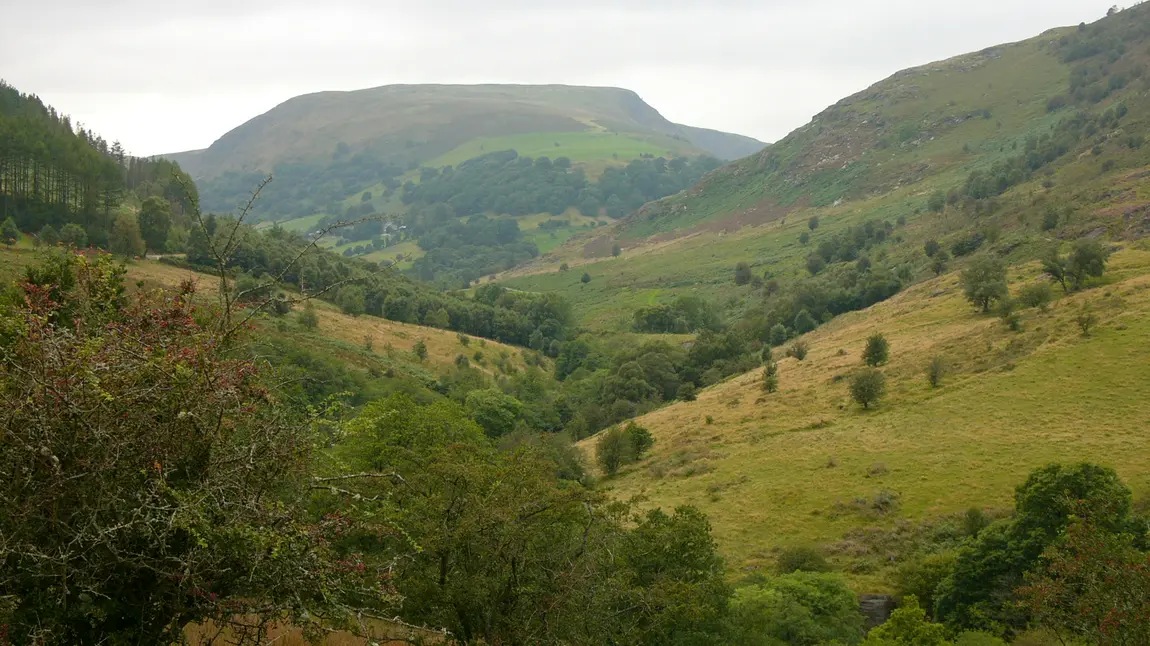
[414, 124]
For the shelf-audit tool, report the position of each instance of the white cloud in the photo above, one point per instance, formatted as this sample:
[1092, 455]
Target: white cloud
[163, 78]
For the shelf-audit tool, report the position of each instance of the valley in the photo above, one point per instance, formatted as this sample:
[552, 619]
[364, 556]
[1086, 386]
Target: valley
[562, 371]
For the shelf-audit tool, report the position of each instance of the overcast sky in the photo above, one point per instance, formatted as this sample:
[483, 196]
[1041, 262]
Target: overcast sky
[170, 76]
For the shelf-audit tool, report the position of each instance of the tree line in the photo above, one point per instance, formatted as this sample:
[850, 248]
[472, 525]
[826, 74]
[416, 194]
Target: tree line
[303, 187]
[53, 174]
[506, 183]
[274, 256]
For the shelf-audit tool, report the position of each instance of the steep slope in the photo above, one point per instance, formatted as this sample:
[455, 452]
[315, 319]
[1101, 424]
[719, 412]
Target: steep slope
[806, 466]
[417, 123]
[1014, 143]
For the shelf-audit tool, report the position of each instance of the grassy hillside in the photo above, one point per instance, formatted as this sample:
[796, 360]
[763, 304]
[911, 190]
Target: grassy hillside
[343, 336]
[928, 125]
[389, 339]
[594, 150]
[880, 156]
[805, 466]
[1011, 152]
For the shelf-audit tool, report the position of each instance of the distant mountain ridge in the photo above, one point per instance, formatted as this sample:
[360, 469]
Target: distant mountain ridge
[413, 124]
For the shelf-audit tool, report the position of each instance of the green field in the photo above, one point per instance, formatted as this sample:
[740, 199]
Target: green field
[548, 240]
[594, 149]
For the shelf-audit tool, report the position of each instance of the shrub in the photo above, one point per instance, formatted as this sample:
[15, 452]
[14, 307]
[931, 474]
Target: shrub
[494, 410]
[804, 608]
[73, 234]
[813, 223]
[611, 450]
[564, 267]
[801, 559]
[798, 350]
[686, 392]
[307, 317]
[908, 625]
[804, 237]
[804, 322]
[165, 467]
[931, 248]
[977, 638]
[974, 521]
[778, 334]
[1086, 320]
[1036, 295]
[967, 245]
[586, 278]
[937, 201]
[815, 263]
[420, 350]
[742, 273]
[461, 361]
[771, 377]
[920, 576]
[868, 386]
[939, 264]
[936, 371]
[638, 439]
[877, 350]
[351, 299]
[1008, 315]
[49, 236]
[9, 231]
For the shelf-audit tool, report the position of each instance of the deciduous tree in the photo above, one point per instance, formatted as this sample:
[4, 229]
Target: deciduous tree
[868, 386]
[984, 281]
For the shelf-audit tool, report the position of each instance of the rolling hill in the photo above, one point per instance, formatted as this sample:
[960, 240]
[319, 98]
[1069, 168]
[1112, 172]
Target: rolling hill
[330, 148]
[419, 123]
